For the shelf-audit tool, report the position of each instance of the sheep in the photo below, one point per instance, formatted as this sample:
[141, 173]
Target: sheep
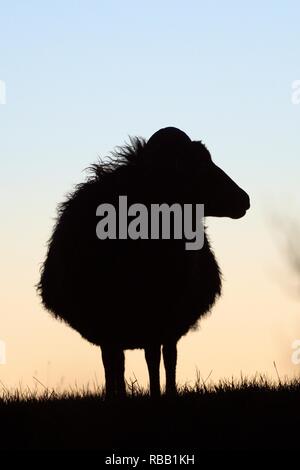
[146, 294]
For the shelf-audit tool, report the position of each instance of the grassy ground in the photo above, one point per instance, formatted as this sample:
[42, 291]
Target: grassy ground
[252, 414]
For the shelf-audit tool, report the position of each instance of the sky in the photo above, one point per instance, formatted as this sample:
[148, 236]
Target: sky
[82, 76]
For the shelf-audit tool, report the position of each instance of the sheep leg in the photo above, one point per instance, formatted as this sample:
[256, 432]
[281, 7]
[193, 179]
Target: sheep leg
[113, 362]
[170, 360]
[120, 363]
[152, 355]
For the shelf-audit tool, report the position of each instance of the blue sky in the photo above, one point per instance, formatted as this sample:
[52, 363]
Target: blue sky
[83, 75]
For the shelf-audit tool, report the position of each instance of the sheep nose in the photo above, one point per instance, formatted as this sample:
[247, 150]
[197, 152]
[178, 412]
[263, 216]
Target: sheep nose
[247, 202]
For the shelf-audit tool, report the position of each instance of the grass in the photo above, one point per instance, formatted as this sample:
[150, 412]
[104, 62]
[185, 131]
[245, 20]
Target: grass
[244, 414]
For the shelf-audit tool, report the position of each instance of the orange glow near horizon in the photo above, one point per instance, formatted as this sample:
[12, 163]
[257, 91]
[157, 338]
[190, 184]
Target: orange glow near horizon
[251, 326]
[79, 80]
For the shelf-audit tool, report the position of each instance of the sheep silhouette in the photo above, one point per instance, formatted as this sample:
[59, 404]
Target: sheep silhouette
[144, 293]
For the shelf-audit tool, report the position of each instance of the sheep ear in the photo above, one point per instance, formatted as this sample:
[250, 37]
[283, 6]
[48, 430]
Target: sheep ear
[167, 146]
[168, 137]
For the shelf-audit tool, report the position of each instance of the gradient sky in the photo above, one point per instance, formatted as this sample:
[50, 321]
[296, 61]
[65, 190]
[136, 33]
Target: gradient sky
[83, 75]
